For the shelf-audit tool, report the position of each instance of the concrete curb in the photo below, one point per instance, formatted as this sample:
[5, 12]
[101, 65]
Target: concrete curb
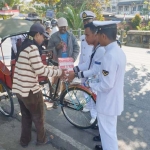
[58, 139]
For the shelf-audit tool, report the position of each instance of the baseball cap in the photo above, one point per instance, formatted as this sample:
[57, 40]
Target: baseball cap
[37, 27]
[87, 15]
[62, 22]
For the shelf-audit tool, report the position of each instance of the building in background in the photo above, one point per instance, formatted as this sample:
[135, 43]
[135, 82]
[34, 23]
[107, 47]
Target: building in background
[129, 7]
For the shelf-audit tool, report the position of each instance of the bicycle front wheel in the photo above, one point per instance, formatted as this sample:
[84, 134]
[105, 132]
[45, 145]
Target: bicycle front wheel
[73, 101]
[46, 90]
[6, 101]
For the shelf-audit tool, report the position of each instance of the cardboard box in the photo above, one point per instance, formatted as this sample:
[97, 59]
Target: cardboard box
[66, 63]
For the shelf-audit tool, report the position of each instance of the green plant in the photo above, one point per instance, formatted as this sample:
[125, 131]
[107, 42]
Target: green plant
[72, 15]
[146, 28]
[136, 21]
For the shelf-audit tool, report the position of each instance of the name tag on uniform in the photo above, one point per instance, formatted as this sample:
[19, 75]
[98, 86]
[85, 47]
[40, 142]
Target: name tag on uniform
[98, 63]
[105, 73]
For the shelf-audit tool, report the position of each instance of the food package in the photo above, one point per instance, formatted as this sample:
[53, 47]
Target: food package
[66, 63]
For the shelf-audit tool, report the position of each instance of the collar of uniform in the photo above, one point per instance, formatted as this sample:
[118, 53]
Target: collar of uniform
[109, 46]
[95, 48]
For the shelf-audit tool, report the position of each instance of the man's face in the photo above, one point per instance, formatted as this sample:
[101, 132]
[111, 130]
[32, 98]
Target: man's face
[48, 30]
[62, 29]
[90, 36]
[86, 21]
[39, 38]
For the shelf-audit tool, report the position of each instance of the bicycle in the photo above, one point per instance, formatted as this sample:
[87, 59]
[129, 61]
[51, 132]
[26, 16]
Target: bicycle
[72, 100]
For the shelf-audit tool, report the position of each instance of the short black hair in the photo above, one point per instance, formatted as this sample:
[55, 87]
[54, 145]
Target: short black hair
[109, 30]
[91, 26]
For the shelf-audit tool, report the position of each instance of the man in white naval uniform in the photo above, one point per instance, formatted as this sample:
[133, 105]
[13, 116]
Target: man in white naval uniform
[110, 89]
[86, 51]
[91, 67]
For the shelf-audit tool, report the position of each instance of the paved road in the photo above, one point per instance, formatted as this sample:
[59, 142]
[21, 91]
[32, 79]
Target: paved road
[10, 133]
[133, 124]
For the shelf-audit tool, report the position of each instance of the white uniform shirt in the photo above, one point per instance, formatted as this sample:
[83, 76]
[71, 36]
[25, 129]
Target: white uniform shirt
[14, 41]
[110, 89]
[86, 50]
[95, 63]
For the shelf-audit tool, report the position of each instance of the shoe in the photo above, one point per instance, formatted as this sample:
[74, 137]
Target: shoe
[92, 120]
[23, 145]
[97, 138]
[85, 110]
[95, 127]
[98, 147]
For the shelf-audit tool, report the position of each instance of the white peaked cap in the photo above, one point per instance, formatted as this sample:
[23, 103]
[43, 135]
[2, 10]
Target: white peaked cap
[104, 23]
[87, 15]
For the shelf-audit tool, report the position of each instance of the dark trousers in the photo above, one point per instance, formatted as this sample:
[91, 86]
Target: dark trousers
[32, 110]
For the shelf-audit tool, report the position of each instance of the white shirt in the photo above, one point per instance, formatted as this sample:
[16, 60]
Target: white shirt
[86, 50]
[54, 29]
[110, 89]
[95, 63]
[14, 41]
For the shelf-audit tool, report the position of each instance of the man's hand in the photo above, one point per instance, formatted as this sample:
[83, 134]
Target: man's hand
[60, 45]
[63, 75]
[71, 76]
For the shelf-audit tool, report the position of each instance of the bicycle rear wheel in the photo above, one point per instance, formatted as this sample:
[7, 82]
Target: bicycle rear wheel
[6, 101]
[73, 101]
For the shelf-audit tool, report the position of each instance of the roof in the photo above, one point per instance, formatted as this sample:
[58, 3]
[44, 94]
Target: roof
[130, 3]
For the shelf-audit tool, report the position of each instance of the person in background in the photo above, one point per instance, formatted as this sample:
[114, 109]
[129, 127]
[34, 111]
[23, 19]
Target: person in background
[48, 31]
[63, 44]
[16, 42]
[26, 85]
[48, 27]
[110, 89]
[54, 26]
[63, 39]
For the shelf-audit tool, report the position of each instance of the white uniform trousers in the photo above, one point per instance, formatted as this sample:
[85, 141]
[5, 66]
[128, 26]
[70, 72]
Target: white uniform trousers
[108, 132]
[91, 106]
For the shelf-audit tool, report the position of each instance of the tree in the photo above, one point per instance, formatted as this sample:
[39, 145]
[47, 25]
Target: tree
[47, 2]
[72, 15]
[96, 7]
[136, 21]
[63, 3]
[9, 3]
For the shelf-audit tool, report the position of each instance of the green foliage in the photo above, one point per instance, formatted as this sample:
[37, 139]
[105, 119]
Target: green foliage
[9, 2]
[136, 21]
[41, 11]
[63, 3]
[72, 15]
[96, 7]
[24, 8]
[145, 28]
[49, 2]
[72, 11]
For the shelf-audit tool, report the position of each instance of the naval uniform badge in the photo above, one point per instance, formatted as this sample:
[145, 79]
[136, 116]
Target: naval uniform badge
[84, 15]
[105, 73]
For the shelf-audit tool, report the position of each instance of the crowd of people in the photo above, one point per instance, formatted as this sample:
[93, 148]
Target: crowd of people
[100, 58]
